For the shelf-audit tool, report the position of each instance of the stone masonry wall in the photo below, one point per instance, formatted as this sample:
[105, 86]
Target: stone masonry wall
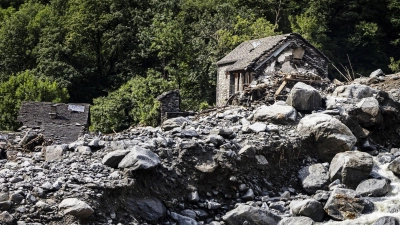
[169, 103]
[223, 83]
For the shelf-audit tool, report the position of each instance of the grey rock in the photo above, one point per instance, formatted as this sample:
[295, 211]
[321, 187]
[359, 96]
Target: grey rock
[54, 152]
[215, 139]
[173, 123]
[224, 132]
[309, 207]
[183, 220]
[17, 197]
[139, 158]
[373, 187]
[214, 223]
[327, 134]
[4, 196]
[113, 158]
[43, 206]
[258, 127]
[251, 214]
[304, 97]
[351, 167]
[344, 204]
[277, 113]
[262, 162]
[356, 91]
[298, 220]
[47, 186]
[75, 207]
[84, 150]
[314, 177]
[94, 143]
[6, 218]
[194, 196]
[280, 205]
[387, 220]
[367, 112]
[5, 205]
[189, 213]
[150, 209]
[394, 166]
[249, 195]
[248, 151]
[377, 73]
[213, 205]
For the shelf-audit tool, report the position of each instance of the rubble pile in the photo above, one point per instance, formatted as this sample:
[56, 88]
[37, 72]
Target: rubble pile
[276, 164]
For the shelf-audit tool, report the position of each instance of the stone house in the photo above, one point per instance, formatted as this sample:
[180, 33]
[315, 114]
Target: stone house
[262, 58]
[61, 122]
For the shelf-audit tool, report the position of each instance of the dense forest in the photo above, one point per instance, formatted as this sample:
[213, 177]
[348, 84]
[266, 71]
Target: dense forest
[120, 54]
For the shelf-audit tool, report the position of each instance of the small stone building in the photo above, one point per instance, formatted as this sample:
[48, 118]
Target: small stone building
[61, 122]
[265, 57]
[170, 105]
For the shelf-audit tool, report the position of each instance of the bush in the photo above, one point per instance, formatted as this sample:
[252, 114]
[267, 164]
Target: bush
[133, 103]
[25, 86]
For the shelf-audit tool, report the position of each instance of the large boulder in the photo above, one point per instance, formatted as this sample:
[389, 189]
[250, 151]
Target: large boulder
[251, 214]
[344, 204]
[314, 177]
[357, 91]
[139, 158]
[373, 187]
[304, 97]
[172, 123]
[150, 209]
[278, 113]
[327, 134]
[298, 220]
[387, 220]
[113, 158]
[351, 167]
[309, 207]
[367, 112]
[76, 207]
[394, 166]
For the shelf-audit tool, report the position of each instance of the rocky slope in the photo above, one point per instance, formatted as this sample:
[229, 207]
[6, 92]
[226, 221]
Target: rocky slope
[314, 159]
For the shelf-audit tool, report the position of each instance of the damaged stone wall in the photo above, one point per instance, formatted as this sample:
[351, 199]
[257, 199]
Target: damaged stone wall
[295, 58]
[169, 102]
[170, 105]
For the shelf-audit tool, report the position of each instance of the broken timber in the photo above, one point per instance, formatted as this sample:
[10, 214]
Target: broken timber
[297, 78]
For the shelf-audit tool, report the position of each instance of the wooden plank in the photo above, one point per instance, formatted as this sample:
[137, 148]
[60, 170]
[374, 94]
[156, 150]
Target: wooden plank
[280, 88]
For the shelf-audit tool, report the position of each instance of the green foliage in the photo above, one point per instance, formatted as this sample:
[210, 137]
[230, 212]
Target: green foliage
[133, 103]
[244, 30]
[203, 106]
[25, 86]
[311, 27]
[394, 65]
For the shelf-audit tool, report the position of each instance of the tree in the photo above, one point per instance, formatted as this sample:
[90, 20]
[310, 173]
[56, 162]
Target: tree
[133, 103]
[25, 86]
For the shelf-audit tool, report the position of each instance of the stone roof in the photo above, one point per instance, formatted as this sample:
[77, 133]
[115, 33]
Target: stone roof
[248, 52]
[70, 122]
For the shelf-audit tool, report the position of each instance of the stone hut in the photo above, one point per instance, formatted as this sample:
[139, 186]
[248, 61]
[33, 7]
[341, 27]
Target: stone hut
[265, 58]
[61, 122]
